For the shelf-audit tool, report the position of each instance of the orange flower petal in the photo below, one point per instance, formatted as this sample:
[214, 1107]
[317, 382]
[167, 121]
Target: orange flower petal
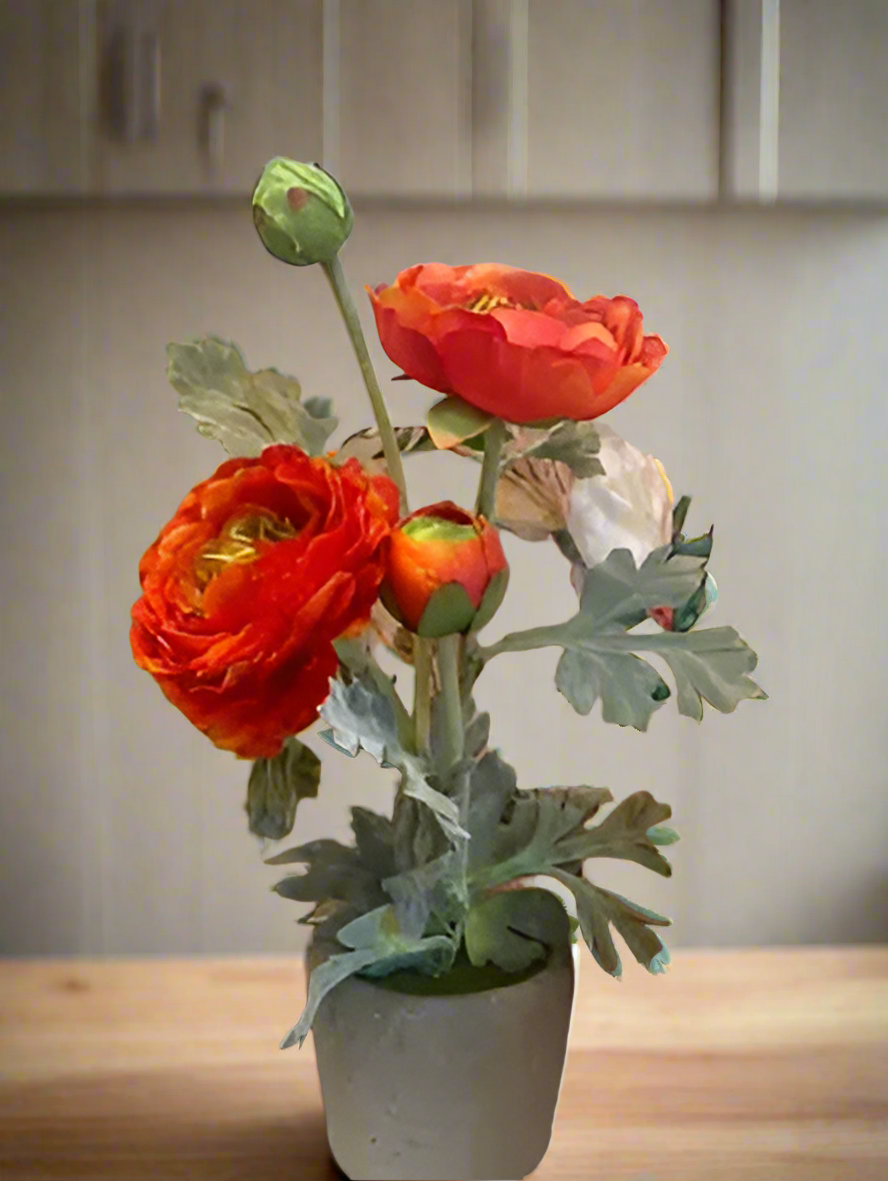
[514, 343]
[240, 638]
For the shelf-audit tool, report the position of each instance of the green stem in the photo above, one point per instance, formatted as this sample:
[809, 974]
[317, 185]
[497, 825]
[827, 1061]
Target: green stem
[454, 736]
[550, 635]
[494, 441]
[391, 450]
[423, 658]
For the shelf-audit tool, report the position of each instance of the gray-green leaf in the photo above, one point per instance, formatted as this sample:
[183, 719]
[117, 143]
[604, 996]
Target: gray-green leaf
[624, 833]
[277, 785]
[492, 784]
[575, 444]
[527, 841]
[710, 665]
[363, 716]
[375, 840]
[630, 690]
[515, 928]
[334, 871]
[600, 662]
[437, 889]
[598, 909]
[378, 947]
[245, 411]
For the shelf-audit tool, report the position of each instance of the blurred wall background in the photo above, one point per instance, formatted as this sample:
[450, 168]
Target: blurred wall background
[122, 829]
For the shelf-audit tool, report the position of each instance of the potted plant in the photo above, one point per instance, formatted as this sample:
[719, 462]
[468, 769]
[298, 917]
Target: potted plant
[448, 929]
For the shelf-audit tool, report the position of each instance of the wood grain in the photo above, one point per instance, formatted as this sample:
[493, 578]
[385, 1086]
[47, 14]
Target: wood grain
[736, 1065]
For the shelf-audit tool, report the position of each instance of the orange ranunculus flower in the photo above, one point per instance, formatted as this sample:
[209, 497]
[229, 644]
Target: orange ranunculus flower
[446, 570]
[514, 343]
[262, 567]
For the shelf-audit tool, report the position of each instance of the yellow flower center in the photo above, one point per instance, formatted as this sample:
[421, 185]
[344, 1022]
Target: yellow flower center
[243, 540]
[485, 301]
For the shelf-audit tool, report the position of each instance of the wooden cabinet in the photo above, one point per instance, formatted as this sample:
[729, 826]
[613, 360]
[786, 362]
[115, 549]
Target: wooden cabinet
[196, 95]
[44, 98]
[806, 100]
[623, 99]
[833, 79]
[398, 119]
[582, 100]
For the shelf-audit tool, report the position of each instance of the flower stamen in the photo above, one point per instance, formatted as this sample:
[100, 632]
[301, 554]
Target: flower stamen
[243, 540]
[484, 301]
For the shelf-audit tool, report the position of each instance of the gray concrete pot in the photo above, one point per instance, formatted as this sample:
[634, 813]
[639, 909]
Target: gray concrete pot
[445, 1088]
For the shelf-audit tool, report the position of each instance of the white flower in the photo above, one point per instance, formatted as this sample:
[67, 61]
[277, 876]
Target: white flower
[629, 507]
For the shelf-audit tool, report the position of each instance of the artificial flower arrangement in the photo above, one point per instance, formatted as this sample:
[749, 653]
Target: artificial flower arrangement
[268, 598]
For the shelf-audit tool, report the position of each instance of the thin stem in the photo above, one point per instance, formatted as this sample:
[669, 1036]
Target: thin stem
[494, 441]
[333, 271]
[423, 656]
[454, 737]
[550, 635]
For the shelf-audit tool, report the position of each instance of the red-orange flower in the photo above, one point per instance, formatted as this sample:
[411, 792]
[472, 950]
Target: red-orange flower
[514, 343]
[446, 570]
[262, 567]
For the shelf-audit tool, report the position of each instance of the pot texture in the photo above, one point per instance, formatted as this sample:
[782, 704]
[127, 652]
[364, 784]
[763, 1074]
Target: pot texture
[445, 1088]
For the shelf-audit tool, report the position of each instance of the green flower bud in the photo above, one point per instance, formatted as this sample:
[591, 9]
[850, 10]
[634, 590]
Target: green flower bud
[301, 213]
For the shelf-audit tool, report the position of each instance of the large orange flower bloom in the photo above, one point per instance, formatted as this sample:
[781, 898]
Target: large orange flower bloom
[514, 343]
[261, 568]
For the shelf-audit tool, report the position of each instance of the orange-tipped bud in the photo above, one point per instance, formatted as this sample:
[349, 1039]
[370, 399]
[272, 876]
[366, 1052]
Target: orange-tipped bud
[447, 571]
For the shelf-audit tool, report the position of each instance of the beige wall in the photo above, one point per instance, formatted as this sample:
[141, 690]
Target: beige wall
[122, 830]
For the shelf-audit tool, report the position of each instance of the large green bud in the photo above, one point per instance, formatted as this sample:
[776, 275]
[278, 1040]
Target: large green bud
[301, 212]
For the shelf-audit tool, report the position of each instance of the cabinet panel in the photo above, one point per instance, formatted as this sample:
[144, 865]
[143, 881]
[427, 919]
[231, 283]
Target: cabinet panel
[43, 56]
[623, 99]
[833, 78]
[402, 119]
[239, 82]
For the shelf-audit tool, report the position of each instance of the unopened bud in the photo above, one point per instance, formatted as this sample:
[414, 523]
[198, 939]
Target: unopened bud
[301, 212]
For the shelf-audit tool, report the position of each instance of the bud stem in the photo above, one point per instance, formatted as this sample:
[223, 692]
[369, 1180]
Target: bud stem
[423, 657]
[494, 441]
[454, 735]
[391, 450]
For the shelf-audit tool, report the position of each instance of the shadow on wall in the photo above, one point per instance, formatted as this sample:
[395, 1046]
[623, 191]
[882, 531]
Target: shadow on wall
[867, 922]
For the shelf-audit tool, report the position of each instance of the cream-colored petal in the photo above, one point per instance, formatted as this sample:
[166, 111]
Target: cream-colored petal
[629, 507]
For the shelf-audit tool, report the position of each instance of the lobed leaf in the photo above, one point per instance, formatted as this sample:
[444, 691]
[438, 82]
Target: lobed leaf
[363, 716]
[377, 947]
[434, 890]
[624, 833]
[244, 410]
[629, 689]
[334, 872]
[375, 841]
[527, 840]
[600, 660]
[600, 909]
[276, 786]
[575, 444]
[515, 928]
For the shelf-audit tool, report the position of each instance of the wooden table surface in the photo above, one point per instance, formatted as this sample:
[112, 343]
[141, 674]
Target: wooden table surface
[751, 1064]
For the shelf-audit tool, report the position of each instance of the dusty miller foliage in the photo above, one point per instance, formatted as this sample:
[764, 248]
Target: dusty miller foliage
[425, 886]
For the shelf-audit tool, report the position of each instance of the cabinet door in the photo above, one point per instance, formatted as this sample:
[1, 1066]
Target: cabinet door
[42, 139]
[398, 117]
[196, 95]
[623, 99]
[833, 87]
